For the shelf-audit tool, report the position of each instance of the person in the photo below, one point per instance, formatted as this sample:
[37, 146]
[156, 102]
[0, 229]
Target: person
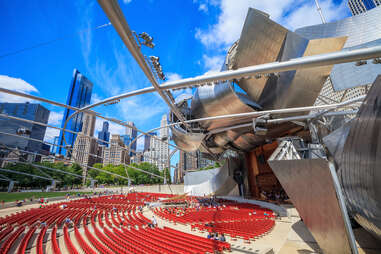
[153, 222]
[222, 238]
[2, 203]
[42, 224]
[209, 236]
[215, 236]
[68, 221]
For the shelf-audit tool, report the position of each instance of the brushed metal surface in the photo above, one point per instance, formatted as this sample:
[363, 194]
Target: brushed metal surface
[260, 42]
[360, 168]
[188, 142]
[310, 186]
[363, 30]
[218, 100]
[307, 83]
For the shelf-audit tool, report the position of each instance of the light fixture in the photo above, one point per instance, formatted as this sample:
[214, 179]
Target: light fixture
[360, 62]
[147, 40]
[377, 60]
[157, 67]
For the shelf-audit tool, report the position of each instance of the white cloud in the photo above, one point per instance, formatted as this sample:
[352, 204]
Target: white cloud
[140, 144]
[95, 98]
[203, 8]
[16, 84]
[127, 1]
[50, 133]
[55, 118]
[331, 11]
[213, 63]
[290, 13]
[113, 127]
[173, 76]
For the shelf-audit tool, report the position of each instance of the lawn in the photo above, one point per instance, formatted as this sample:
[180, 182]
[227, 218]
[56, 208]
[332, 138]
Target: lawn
[9, 197]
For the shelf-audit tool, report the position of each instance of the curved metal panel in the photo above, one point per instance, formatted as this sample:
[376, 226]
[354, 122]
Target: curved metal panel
[360, 168]
[218, 100]
[189, 142]
[362, 30]
[307, 83]
[218, 181]
[260, 42]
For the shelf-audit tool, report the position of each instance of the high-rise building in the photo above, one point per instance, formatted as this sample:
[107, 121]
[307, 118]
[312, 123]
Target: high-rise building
[53, 148]
[130, 135]
[164, 132]
[29, 111]
[88, 125]
[158, 153]
[203, 161]
[79, 96]
[360, 6]
[147, 141]
[104, 134]
[116, 153]
[85, 149]
[137, 158]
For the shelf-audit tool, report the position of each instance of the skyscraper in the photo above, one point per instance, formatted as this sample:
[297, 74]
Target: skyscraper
[164, 132]
[360, 6]
[104, 134]
[158, 153]
[29, 111]
[53, 148]
[115, 154]
[147, 141]
[79, 96]
[130, 135]
[88, 124]
[85, 146]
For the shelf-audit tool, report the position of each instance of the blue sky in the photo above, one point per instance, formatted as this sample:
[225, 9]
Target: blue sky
[191, 38]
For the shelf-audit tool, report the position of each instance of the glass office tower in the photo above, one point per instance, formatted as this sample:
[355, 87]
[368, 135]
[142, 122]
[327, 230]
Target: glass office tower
[79, 96]
[360, 6]
[29, 111]
[104, 134]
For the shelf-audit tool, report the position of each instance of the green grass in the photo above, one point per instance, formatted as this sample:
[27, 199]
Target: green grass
[9, 197]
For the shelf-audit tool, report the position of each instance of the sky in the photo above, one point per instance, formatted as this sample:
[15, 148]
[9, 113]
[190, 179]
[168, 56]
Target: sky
[191, 37]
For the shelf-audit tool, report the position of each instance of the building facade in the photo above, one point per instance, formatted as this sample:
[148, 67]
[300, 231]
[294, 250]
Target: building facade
[130, 135]
[104, 134]
[158, 153]
[116, 153]
[361, 6]
[79, 96]
[53, 148]
[29, 111]
[137, 158]
[147, 141]
[85, 150]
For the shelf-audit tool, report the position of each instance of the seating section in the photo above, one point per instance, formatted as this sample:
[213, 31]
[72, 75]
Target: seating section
[116, 224]
[246, 221]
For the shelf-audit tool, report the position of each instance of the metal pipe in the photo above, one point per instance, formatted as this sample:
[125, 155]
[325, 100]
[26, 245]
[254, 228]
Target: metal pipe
[117, 19]
[40, 166]
[101, 170]
[139, 169]
[34, 122]
[307, 117]
[40, 141]
[23, 173]
[293, 64]
[320, 12]
[24, 95]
